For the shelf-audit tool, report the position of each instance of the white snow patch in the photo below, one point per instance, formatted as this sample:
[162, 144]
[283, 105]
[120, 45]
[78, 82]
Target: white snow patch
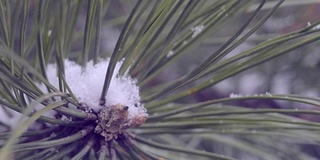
[49, 33]
[308, 24]
[316, 27]
[87, 86]
[196, 30]
[233, 95]
[268, 94]
[170, 53]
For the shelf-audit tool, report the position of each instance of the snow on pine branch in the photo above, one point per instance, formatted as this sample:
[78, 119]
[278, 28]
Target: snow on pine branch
[87, 86]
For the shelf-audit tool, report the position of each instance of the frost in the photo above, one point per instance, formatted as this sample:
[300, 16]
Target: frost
[232, 95]
[196, 30]
[170, 53]
[87, 86]
[308, 24]
[316, 27]
[268, 94]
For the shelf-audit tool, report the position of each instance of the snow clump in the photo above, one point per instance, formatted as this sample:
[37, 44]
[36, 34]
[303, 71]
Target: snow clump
[87, 86]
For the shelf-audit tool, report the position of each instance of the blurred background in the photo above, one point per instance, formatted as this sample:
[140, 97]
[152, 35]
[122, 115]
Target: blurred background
[294, 73]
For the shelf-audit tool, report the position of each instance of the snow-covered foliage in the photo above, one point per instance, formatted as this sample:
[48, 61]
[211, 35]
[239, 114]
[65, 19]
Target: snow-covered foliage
[87, 86]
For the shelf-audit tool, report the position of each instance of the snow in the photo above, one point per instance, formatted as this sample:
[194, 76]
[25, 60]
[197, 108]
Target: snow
[316, 27]
[170, 53]
[196, 30]
[308, 24]
[233, 95]
[268, 94]
[87, 86]
[49, 33]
